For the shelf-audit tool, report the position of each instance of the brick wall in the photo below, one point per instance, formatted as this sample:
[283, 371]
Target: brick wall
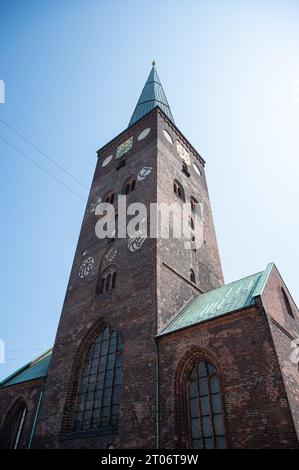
[29, 393]
[174, 261]
[130, 309]
[284, 329]
[256, 405]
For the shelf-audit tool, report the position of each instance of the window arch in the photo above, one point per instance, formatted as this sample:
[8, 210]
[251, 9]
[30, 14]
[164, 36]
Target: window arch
[179, 190]
[185, 169]
[129, 185]
[205, 409]
[109, 197]
[193, 202]
[98, 391]
[107, 280]
[14, 425]
[287, 303]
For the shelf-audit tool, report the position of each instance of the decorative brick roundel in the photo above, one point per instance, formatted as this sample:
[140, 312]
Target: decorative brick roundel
[86, 267]
[107, 161]
[144, 133]
[110, 254]
[167, 136]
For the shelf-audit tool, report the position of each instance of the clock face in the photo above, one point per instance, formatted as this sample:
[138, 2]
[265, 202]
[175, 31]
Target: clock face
[107, 161]
[86, 267]
[183, 153]
[143, 134]
[196, 169]
[167, 136]
[124, 147]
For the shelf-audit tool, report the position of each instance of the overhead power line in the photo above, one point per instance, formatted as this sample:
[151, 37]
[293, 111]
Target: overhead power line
[42, 168]
[38, 149]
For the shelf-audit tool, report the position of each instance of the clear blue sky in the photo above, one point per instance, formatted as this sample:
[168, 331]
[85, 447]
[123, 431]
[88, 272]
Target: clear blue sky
[73, 72]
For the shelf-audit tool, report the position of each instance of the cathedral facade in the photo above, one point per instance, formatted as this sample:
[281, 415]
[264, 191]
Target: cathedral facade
[153, 349]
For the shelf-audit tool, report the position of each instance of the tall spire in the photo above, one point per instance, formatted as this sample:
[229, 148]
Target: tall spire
[152, 95]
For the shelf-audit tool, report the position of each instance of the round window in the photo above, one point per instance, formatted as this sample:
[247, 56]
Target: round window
[107, 161]
[143, 134]
[196, 168]
[167, 136]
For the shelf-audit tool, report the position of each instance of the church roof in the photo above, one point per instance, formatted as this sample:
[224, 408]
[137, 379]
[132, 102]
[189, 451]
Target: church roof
[226, 299]
[33, 370]
[221, 301]
[151, 96]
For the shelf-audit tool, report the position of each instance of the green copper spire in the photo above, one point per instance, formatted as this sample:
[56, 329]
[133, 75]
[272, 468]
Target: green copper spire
[152, 95]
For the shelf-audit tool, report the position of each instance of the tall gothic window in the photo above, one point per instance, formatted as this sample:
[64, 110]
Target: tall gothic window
[205, 408]
[98, 395]
[17, 426]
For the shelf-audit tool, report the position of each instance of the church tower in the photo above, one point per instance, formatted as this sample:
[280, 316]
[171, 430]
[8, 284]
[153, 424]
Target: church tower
[122, 291]
[152, 349]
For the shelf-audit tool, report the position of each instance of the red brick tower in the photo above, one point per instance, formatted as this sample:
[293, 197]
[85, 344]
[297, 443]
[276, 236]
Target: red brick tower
[131, 287]
[152, 350]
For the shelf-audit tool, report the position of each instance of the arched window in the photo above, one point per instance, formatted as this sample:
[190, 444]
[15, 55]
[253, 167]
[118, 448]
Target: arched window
[191, 223]
[106, 281]
[109, 197]
[192, 276]
[287, 303]
[205, 408]
[14, 426]
[193, 245]
[179, 190]
[98, 394]
[185, 169]
[193, 202]
[129, 185]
